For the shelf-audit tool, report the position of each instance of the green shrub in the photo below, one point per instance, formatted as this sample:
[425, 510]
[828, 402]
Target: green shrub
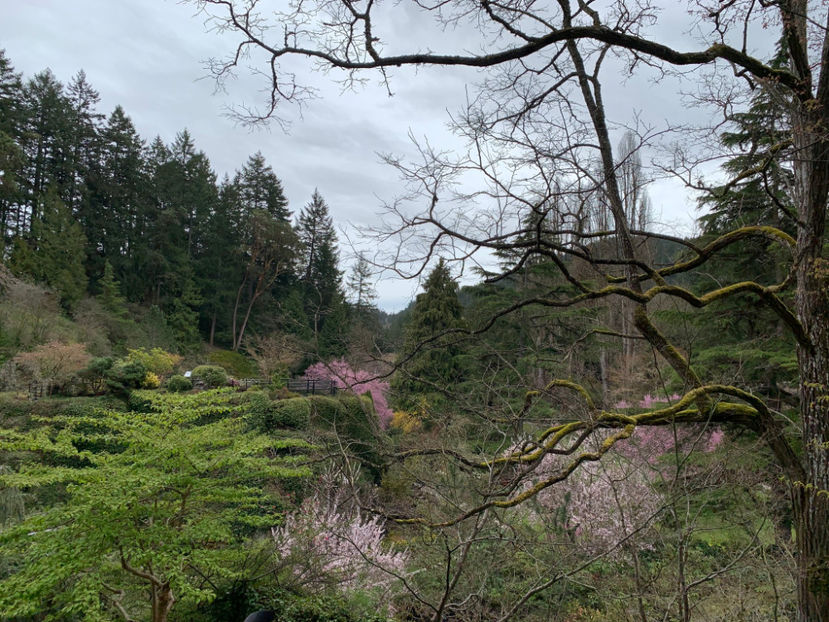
[140, 402]
[125, 375]
[14, 406]
[268, 415]
[351, 417]
[211, 375]
[234, 363]
[156, 360]
[94, 376]
[179, 384]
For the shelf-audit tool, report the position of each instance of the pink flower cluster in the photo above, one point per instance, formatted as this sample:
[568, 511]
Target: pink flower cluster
[327, 542]
[609, 500]
[359, 381]
[605, 502]
[652, 442]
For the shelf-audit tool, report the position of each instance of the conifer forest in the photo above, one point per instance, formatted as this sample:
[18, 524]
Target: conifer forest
[210, 413]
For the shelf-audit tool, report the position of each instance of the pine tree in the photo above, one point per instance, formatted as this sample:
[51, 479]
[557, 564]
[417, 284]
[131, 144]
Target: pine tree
[84, 141]
[114, 210]
[260, 189]
[220, 263]
[321, 277]
[361, 285]
[53, 251]
[47, 144]
[12, 159]
[110, 296]
[429, 362]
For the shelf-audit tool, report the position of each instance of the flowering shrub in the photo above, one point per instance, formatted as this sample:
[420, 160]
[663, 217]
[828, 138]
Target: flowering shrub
[605, 501]
[327, 542]
[652, 442]
[405, 422]
[608, 500]
[359, 381]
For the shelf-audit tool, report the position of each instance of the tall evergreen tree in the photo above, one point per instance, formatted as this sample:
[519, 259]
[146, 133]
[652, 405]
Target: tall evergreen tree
[320, 274]
[183, 195]
[53, 251]
[260, 189]
[361, 285]
[114, 210]
[47, 144]
[429, 362]
[220, 263]
[110, 296]
[83, 139]
[12, 159]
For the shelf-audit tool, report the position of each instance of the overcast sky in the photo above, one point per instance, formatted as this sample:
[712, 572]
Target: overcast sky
[148, 56]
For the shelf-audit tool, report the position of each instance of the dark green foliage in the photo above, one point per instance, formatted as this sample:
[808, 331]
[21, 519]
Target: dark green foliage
[351, 418]
[178, 384]
[110, 296]
[430, 357]
[270, 415]
[125, 375]
[95, 373]
[321, 277]
[52, 253]
[235, 363]
[319, 608]
[243, 599]
[20, 410]
[211, 375]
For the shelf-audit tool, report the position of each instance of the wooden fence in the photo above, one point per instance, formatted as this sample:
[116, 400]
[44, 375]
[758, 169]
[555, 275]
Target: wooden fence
[312, 386]
[296, 385]
[38, 390]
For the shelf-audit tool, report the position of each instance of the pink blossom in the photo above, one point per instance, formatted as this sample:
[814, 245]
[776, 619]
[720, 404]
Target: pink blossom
[327, 541]
[714, 440]
[604, 501]
[359, 381]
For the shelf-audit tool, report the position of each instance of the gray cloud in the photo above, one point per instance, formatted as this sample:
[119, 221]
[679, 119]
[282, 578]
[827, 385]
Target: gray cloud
[148, 56]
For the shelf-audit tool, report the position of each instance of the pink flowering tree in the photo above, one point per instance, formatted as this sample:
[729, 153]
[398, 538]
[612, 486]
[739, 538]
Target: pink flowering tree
[359, 381]
[328, 543]
[618, 498]
[604, 502]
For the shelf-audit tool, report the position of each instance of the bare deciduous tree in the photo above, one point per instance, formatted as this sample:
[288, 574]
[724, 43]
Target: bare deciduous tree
[536, 129]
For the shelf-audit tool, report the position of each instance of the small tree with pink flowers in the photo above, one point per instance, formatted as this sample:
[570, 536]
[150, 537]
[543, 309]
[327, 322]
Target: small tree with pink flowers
[328, 543]
[358, 381]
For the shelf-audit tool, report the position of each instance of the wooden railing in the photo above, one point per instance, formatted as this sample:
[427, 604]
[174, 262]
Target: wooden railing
[312, 386]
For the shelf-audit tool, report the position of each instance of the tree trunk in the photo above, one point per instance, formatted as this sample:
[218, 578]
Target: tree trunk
[811, 498]
[162, 602]
[236, 312]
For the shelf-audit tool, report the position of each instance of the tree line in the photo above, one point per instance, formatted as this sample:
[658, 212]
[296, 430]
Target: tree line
[89, 207]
